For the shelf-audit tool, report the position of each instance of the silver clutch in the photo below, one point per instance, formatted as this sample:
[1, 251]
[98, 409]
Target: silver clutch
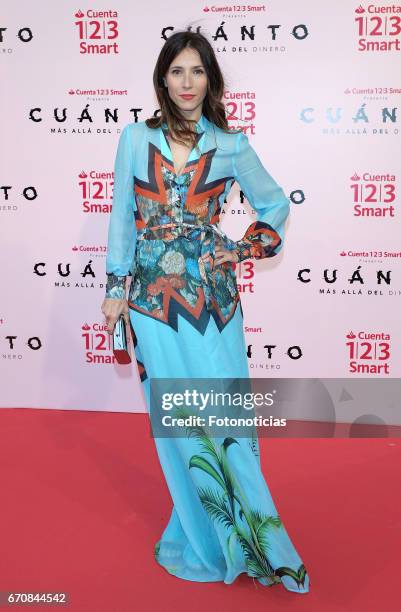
[120, 345]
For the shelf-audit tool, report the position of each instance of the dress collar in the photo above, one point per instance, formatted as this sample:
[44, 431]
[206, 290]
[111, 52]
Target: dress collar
[199, 146]
[200, 126]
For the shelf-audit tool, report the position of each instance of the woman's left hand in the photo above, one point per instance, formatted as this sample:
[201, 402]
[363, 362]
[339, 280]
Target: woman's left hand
[222, 255]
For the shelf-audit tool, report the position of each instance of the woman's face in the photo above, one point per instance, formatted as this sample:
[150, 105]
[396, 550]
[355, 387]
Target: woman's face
[186, 75]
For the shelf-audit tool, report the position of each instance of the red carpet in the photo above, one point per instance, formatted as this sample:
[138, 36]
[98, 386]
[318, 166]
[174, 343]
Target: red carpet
[83, 501]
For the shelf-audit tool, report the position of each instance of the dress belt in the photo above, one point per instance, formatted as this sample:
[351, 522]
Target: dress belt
[207, 231]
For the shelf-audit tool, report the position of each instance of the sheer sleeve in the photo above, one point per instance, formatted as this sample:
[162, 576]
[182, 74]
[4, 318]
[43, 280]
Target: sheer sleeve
[264, 237]
[122, 232]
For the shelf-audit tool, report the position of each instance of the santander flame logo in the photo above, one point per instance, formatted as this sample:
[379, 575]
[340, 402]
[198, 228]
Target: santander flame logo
[355, 177]
[86, 327]
[79, 14]
[351, 335]
[360, 10]
[82, 174]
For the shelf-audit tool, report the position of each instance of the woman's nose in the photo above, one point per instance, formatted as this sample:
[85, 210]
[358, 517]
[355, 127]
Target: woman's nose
[187, 80]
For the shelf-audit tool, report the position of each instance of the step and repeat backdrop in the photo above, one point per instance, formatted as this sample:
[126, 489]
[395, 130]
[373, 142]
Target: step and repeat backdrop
[316, 87]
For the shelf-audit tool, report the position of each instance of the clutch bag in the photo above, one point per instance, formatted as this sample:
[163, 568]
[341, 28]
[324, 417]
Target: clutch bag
[120, 346]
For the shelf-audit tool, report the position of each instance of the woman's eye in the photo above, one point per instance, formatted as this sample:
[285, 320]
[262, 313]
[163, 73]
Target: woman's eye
[176, 71]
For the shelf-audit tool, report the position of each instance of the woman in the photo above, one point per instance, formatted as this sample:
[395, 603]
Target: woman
[172, 174]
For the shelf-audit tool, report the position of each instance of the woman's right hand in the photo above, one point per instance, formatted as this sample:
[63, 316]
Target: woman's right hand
[112, 308]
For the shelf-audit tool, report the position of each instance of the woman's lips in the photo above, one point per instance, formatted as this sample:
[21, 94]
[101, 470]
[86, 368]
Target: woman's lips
[187, 96]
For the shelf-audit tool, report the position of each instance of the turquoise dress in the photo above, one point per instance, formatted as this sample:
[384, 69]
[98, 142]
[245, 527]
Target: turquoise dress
[187, 322]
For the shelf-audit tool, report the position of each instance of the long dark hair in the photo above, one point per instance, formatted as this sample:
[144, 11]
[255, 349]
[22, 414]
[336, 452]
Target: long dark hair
[213, 108]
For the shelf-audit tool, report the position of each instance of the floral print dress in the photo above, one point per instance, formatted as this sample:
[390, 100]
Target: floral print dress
[187, 322]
